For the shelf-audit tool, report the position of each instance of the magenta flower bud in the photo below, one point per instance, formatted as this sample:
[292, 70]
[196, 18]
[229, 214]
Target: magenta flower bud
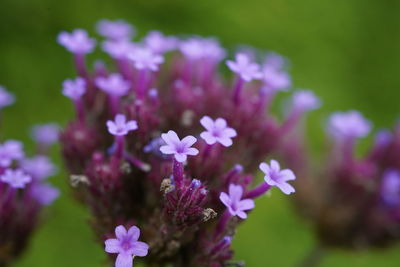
[274, 176]
[126, 245]
[15, 178]
[6, 98]
[217, 131]
[234, 202]
[349, 124]
[77, 42]
[145, 59]
[116, 30]
[74, 89]
[113, 85]
[245, 68]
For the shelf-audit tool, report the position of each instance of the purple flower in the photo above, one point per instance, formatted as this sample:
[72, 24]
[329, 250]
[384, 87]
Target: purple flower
[6, 98]
[144, 58]
[236, 206]
[15, 178]
[76, 42]
[274, 60]
[217, 131]
[179, 148]
[275, 79]
[74, 89]
[119, 49]
[390, 190]
[120, 126]
[39, 167]
[159, 43]
[115, 30]
[243, 67]
[274, 176]
[9, 151]
[349, 124]
[114, 85]
[305, 100]
[45, 134]
[44, 194]
[202, 48]
[126, 245]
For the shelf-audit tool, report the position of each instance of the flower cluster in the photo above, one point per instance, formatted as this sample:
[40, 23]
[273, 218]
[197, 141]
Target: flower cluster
[170, 146]
[24, 189]
[353, 201]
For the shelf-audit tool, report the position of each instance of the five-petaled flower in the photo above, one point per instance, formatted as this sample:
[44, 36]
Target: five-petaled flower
[305, 100]
[15, 178]
[77, 41]
[179, 148]
[116, 30]
[349, 124]
[126, 245]
[74, 89]
[120, 126]
[217, 131]
[274, 176]
[245, 68]
[234, 202]
[114, 85]
[9, 151]
[275, 80]
[144, 58]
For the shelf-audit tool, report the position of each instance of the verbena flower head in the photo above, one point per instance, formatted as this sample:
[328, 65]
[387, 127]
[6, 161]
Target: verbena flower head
[245, 68]
[115, 30]
[349, 124]
[120, 126]
[6, 98]
[114, 85]
[305, 100]
[274, 176]
[234, 202]
[45, 134]
[217, 131]
[145, 59]
[74, 89]
[77, 41]
[179, 148]
[15, 178]
[166, 185]
[126, 245]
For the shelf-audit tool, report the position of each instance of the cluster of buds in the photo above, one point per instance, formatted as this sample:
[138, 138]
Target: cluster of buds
[24, 189]
[353, 201]
[128, 164]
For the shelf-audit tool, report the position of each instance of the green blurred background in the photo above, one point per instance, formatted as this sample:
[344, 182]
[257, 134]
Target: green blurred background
[345, 50]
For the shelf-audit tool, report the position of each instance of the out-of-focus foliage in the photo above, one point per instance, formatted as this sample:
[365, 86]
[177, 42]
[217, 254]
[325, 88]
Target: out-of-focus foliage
[345, 50]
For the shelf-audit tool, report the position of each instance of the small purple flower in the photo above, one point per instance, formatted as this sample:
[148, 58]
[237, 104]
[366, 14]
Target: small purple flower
[45, 134]
[126, 245]
[274, 176]
[217, 131]
[159, 43]
[39, 167]
[305, 100]
[77, 42]
[114, 85]
[349, 124]
[390, 190]
[74, 89]
[144, 58]
[201, 48]
[9, 151]
[6, 98]
[274, 60]
[115, 30]
[234, 202]
[44, 194]
[15, 178]
[275, 80]
[119, 49]
[245, 68]
[120, 126]
[179, 148]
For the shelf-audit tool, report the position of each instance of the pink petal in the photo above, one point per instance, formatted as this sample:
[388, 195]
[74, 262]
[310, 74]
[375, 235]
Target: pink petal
[287, 175]
[210, 139]
[220, 123]
[275, 165]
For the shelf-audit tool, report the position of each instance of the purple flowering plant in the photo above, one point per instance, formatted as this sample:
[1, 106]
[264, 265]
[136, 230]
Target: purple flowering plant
[164, 143]
[24, 189]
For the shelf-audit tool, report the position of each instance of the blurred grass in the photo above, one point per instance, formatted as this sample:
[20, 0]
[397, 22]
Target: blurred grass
[345, 50]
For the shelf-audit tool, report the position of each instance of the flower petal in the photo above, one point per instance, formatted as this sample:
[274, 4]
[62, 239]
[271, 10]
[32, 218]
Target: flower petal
[275, 165]
[264, 168]
[209, 138]
[120, 232]
[286, 188]
[189, 140]
[192, 151]
[207, 123]
[167, 149]
[112, 245]
[246, 204]
[287, 175]
[235, 192]
[124, 260]
[180, 157]
[225, 199]
[134, 233]
[140, 249]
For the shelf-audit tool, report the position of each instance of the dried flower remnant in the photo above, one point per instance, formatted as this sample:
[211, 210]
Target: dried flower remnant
[144, 174]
